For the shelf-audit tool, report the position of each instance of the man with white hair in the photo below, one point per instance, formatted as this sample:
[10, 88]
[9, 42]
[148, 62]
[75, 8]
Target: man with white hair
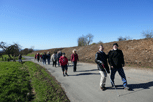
[101, 60]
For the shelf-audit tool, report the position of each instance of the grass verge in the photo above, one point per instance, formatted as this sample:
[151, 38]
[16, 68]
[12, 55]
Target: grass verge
[46, 87]
[28, 82]
[31, 55]
[14, 82]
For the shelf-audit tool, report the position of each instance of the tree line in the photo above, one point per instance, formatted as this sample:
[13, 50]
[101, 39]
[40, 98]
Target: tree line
[87, 40]
[13, 49]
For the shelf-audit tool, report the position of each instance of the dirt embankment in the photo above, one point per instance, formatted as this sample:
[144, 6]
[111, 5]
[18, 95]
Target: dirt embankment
[136, 52]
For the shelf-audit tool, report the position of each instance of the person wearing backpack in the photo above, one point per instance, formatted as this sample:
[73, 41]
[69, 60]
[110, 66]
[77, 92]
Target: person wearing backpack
[74, 59]
[116, 61]
[63, 62]
[44, 58]
[101, 60]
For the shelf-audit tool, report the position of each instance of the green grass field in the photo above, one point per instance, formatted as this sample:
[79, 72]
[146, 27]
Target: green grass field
[27, 81]
[31, 55]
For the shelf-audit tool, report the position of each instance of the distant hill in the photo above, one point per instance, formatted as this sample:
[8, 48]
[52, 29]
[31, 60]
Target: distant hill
[136, 52]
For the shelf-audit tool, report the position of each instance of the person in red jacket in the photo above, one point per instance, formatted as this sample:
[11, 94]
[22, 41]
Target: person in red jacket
[74, 59]
[63, 62]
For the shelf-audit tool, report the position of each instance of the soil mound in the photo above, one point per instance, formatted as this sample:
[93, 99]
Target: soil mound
[136, 52]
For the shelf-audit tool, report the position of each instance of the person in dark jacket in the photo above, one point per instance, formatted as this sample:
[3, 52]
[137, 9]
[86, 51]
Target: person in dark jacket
[20, 58]
[44, 58]
[59, 54]
[116, 61]
[74, 59]
[35, 56]
[101, 60]
[48, 57]
[38, 57]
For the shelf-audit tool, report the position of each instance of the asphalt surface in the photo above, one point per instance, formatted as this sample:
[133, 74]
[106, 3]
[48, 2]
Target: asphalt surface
[83, 85]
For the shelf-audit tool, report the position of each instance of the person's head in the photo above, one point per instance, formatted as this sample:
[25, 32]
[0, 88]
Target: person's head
[101, 48]
[44, 52]
[115, 46]
[74, 51]
[48, 52]
[63, 54]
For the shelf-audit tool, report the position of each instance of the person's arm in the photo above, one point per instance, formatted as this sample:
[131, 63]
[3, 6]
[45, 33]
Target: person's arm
[77, 57]
[122, 60]
[110, 58]
[97, 60]
[59, 60]
[71, 57]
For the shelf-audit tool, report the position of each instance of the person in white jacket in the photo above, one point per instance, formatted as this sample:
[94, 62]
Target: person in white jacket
[54, 59]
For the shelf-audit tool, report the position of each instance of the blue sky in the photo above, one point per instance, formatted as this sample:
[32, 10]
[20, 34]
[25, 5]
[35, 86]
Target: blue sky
[47, 24]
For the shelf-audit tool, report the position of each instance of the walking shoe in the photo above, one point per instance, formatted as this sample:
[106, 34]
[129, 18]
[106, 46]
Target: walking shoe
[127, 88]
[113, 86]
[66, 74]
[63, 75]
[103, 88]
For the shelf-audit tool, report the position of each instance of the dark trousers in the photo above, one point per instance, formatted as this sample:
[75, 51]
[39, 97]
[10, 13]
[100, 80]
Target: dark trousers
[64, 68]
[58, 62]
[38, 59]
[121, 73]
[54, 63]
[74, 66]
[48, 60]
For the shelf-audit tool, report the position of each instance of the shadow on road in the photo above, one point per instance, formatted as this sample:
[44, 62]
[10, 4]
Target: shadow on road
[138, 86]
[141, 86]
[85, 74]
[88, 70]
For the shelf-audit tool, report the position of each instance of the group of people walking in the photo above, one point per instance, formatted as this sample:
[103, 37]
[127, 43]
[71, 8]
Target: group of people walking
[43, 57]
[116, 61]
[60, 58]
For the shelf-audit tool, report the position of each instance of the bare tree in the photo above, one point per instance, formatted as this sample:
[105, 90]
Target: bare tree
[82, 41]
[89, 38]
[11, 49]
[26, 51]
[85, 40]
[3, 45]
[123, 38]
[147, 34]
[100, 42]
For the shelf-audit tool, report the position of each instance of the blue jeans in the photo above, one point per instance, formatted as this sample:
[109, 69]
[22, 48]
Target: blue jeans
[44, 61]
[121, 73]
[58, 62]
[20, 60]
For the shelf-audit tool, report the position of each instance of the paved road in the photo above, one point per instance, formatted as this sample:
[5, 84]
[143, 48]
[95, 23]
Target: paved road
[83, 85]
